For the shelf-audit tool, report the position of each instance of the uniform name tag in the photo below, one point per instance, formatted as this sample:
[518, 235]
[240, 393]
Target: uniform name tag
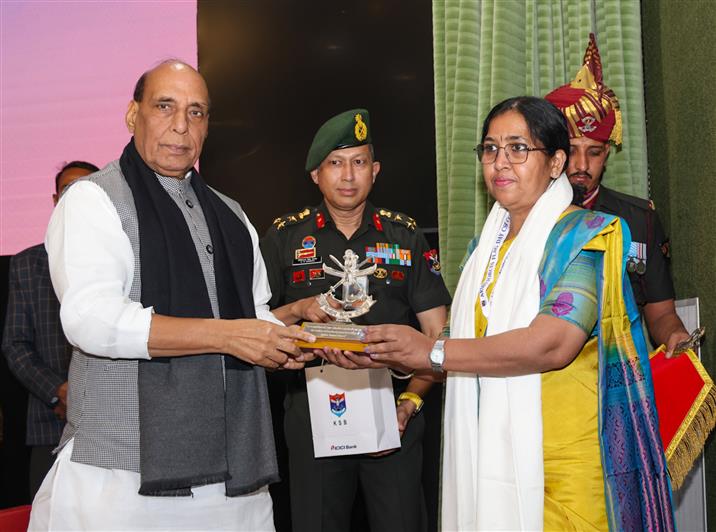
[309, 260]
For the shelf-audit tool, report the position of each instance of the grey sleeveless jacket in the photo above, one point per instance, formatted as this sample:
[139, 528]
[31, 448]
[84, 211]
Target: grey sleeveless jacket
[103, 411]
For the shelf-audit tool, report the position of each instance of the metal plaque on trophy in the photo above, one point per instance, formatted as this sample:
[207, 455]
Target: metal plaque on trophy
[354, 301]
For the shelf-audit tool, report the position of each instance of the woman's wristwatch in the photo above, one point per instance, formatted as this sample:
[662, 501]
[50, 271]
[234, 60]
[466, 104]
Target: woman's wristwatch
[413, 398]
[437, 356]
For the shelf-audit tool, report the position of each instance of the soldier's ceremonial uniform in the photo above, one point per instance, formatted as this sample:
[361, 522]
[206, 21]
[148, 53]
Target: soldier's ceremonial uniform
[648, 258]
[406, 281]
[294, 249]
[592, 111]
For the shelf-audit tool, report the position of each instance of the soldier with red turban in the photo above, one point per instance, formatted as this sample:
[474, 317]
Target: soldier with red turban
[594, 120]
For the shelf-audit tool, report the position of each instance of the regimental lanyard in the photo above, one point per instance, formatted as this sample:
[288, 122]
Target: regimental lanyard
[492, 265]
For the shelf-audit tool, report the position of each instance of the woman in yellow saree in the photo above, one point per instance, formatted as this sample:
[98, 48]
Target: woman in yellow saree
[549, 417]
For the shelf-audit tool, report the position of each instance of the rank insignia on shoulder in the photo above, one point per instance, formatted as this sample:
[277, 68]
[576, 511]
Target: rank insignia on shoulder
[291, 219]
[384, 253]
[397, 217]
[431, 258]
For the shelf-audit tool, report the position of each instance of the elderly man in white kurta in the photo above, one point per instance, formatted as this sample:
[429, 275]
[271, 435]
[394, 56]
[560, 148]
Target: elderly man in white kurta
[164, 295]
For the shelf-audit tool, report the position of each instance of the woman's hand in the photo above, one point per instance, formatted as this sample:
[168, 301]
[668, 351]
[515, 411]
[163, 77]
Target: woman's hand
[399, 346]
[348, 359]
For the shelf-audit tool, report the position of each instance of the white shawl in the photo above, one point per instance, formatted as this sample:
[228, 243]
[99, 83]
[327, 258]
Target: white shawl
[493, 469]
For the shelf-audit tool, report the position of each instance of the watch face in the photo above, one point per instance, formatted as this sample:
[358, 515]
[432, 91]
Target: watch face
[437, 355]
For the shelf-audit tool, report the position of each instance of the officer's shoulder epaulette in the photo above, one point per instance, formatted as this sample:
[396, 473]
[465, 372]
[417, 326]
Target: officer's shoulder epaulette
[397, 217]
[636, 201]
[292, 218]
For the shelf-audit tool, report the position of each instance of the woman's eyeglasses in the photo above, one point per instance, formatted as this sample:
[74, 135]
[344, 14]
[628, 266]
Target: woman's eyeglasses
[516, 152]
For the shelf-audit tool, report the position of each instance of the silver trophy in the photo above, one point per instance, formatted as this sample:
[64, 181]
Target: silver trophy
[355, 301]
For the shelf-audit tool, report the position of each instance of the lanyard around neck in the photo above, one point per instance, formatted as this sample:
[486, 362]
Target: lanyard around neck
[485, 301]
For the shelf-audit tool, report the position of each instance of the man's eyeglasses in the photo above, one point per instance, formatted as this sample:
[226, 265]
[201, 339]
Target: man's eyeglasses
[516, 152]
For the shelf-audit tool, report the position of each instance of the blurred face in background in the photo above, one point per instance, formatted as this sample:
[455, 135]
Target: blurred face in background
[69, 176]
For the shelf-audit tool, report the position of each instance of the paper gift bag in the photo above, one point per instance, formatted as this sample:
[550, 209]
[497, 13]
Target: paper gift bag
[352, 411]
[686, 403]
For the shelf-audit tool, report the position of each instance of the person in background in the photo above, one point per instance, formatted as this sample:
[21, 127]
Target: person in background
[34, 345]
[163, 295]
[408, 288]
[595, 124]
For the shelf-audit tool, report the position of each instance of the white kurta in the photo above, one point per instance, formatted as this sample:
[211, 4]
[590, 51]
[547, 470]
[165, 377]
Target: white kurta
[92, 267]
[81, 497]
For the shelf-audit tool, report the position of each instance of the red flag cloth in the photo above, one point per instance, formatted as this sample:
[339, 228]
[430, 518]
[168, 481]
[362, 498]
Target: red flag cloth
[686, 403]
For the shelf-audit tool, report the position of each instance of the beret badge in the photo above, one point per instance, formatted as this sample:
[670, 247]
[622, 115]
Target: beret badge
[361, 129]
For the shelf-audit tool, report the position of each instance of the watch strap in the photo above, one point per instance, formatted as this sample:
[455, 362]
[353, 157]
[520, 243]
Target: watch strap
[413, 398]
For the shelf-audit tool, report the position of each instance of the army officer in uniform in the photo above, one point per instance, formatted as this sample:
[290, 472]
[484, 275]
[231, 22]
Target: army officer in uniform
[594, 121]
[408, 288]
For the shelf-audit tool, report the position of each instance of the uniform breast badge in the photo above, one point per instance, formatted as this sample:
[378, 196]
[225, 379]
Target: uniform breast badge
[304, 255]
[316, 273]
[308, 242]
[384, 253]
[380, 273]
[636, 258]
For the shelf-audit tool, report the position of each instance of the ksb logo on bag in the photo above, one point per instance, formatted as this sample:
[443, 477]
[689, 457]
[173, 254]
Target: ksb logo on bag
[338, 403]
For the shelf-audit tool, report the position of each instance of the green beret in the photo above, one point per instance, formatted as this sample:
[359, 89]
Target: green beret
[345, 130]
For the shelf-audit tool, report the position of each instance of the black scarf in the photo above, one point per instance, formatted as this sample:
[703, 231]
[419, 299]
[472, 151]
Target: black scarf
[192, 431]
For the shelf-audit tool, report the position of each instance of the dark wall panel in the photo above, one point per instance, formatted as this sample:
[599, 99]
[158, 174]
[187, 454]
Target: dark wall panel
[681, 131]
[277, 70]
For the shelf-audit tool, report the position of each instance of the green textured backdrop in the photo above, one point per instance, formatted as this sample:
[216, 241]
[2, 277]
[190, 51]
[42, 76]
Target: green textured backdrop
[680, 78]
[489, 50]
